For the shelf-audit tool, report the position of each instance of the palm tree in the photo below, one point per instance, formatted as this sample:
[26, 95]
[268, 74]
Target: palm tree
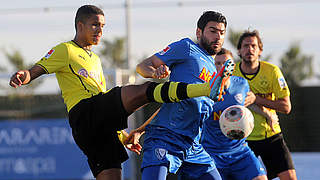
[296, 66]
[18, 62]
[114, 53]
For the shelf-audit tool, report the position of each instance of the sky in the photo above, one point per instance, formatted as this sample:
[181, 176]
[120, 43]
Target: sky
[34, 27]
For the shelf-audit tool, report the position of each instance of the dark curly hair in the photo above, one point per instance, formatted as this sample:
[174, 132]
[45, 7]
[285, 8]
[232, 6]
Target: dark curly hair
[208, 16]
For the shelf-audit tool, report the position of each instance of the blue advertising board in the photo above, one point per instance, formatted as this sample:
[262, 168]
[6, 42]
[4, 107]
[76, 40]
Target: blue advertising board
[40, 149]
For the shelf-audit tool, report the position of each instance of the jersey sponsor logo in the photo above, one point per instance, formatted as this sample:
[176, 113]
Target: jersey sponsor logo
[164, 50]
[160, 153]
[83, 72]
[216, 115]
[206, 75]
[267, 95]
[282, 82]
[49, 53]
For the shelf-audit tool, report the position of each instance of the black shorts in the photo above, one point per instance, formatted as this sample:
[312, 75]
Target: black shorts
[274, 153]
[95, 122]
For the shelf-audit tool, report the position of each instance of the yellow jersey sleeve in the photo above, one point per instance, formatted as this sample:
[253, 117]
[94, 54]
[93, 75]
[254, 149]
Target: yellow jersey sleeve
[280, 87]
[55, 59]
[121, 136]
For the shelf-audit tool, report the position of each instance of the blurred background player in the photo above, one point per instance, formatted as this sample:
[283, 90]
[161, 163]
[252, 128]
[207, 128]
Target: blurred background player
[171, 143]
[89, 103]
[233, 158]
[270, 92]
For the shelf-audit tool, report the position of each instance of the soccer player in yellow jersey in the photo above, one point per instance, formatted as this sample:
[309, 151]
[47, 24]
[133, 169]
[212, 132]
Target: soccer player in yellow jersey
[95, 113]
[270, 92]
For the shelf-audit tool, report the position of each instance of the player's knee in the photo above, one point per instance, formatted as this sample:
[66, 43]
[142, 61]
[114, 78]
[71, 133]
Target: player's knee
[262, 177]
[110, 174]
[288, 175]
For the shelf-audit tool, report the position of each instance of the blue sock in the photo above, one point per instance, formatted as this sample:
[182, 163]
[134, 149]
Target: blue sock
[155, 172]
[212, 175]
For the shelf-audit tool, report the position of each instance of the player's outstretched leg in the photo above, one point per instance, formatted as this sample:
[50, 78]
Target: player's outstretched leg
[217, 83]
[170, 92]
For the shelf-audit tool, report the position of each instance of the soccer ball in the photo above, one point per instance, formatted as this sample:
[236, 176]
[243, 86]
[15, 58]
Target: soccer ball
[236, 122]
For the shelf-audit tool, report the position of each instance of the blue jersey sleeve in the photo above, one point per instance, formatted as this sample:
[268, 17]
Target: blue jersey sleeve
[175, 53]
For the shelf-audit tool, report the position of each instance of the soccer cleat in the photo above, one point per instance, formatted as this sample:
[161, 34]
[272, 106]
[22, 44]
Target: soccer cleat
[217, 83]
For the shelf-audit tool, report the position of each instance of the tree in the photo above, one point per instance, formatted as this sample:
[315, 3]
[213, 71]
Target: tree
[18, 62]
[234, 37]
[296, 66]
[114, 53]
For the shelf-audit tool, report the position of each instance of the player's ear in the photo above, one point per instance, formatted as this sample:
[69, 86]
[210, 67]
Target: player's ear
[239, 53]
[80, 26]
[260, 52]
[198, 33]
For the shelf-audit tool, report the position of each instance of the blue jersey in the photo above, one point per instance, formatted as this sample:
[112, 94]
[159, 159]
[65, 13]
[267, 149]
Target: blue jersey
[213, 140]
[188, 63]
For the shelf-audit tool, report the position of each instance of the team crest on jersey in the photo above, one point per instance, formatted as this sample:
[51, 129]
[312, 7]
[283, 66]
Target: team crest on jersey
[282, 82]
[49, 53]
[238, 98]
[164, 50]
[160, 153]
[83, 72]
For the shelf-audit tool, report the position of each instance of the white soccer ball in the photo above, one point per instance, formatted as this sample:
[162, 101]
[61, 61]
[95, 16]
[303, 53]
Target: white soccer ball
[236, 122]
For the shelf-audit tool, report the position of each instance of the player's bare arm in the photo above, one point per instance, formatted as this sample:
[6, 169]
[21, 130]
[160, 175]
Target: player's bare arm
[272, 118]
[282, 105]
[132, 140]
[153, 67]
[23, 77]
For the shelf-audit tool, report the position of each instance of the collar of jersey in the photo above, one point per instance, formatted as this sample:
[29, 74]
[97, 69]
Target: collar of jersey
[245, 75]
[87, 51]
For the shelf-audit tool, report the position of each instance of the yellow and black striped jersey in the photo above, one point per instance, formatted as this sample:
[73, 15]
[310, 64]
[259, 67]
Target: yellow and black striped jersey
[78, 71]
[268, 83]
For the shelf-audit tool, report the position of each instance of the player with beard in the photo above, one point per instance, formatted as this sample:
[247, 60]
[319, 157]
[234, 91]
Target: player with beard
[96, 113]
[270, 92]
[172, 143]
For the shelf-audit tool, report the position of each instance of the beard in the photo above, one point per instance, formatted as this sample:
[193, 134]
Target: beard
[249, 60]
[205, 44]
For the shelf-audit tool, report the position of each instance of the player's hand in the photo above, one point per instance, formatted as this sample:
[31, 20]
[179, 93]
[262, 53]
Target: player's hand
[132, 141]
[161, 72]
[272, 119]
[19, 78]
[250, 99]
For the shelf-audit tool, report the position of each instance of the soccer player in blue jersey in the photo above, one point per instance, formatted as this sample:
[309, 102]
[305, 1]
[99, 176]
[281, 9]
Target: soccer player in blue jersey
[172, 138]
[233, 158]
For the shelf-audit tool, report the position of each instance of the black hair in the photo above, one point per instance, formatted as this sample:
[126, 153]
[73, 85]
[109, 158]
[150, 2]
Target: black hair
[225, 51]
[85, 11]
[208, 16]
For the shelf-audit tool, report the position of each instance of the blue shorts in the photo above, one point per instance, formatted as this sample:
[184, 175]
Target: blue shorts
[162, 149]
[238, 165]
